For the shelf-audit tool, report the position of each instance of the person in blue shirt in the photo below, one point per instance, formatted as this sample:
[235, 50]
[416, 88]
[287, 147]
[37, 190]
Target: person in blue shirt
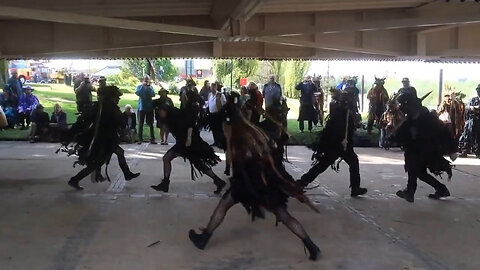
[342, 84]
[145, 93]
[307, 111]
[26, 104]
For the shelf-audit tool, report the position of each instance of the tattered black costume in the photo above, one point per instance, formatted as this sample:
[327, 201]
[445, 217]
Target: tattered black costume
[425, 140]
[202, 157]
[470, 139]
[95, 137]
[260, 182]
[336, 141]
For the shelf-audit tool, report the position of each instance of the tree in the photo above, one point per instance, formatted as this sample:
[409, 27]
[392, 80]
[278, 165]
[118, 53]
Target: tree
[277, 68]
[164, 68]
[3, 72]
[237, 68]
[222, 68]
[289, 74]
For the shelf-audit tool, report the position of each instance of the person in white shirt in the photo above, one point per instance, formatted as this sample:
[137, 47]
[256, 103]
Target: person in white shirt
[216, 100]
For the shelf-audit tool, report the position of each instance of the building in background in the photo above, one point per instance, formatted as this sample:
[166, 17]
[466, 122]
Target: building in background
[195, 68]
[107, 71]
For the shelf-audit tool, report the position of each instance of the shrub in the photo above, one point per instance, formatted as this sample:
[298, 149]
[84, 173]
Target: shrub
[125, 81]
[173, 88]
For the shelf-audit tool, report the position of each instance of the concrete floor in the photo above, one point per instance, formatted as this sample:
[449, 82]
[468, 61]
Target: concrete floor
[47, 225]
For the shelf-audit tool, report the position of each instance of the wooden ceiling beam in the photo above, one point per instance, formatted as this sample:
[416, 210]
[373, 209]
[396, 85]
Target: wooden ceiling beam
[72, 18]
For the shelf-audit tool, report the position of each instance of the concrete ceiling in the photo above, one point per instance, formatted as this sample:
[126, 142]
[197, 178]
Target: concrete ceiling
[273, 29]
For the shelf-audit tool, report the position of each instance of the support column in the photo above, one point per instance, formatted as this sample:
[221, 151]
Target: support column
[363, 93]
[440, 86]
[217, 49]
[421, 44]
[454, 38]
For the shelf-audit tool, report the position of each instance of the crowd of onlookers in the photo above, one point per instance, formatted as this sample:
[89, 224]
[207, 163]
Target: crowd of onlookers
[20, 108]
[23, 110]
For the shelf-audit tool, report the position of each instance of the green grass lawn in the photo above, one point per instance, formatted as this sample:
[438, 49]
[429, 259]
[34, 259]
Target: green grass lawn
[49, 94]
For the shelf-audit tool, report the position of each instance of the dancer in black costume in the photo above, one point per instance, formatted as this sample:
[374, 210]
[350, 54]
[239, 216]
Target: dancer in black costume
[95, 137]
[470, 139]
[258, 183]
[336, 141]
[425, 140]
[189, 145]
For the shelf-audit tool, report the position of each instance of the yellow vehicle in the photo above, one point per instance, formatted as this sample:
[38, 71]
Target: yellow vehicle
[57, 76]
[23, 69]
[36, 71]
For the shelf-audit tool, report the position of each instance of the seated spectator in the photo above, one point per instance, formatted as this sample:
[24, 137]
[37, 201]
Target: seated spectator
[40, 125]
[3, 119]
[2, 97]
[129, 132]
[59, 117]
[26, 104]
[8, 108]
[58, 122]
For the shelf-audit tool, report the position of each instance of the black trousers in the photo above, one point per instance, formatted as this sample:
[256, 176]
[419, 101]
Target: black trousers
[24, 117]
[471, 138]
[122, 162]
[417, 169]
[217, 129]
[349, 156]
[301, 125]
[142, 116]
[82, 107]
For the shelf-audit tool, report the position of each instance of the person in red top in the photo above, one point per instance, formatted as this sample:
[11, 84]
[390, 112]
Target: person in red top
[253, 106]
[259, 98]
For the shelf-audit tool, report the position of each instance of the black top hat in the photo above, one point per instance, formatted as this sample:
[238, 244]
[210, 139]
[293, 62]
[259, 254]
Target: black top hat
[109, 91]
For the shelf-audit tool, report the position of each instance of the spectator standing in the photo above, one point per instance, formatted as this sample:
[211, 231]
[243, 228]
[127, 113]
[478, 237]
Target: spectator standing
[407, 88]
[272, 92]
[216, 100]
[102, 82]
[470, 139]
[352, 89]
[342, 84]
[26, 104]
[186, 93]
[205, 91]
[164, 100]
[307, 111]
[145, 93]
[40, 124]
[253, 106]
[130, 120]
[15, 88]
[78, 80]
[319, 99]
[83, 95]
[243, 96]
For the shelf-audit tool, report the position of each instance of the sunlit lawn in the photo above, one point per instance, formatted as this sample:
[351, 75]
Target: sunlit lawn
[49, 94]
